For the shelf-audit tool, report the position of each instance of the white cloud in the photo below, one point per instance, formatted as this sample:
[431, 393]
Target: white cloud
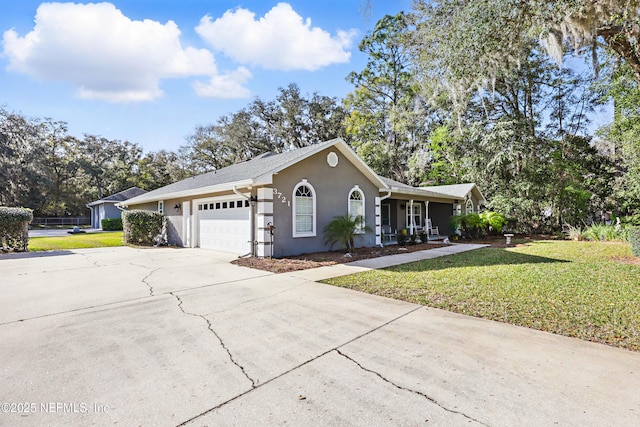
[225, 86]
[105, 54]
[280, 40]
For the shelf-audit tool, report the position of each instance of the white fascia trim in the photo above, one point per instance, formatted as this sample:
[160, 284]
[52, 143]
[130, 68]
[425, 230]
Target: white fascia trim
[422, 193]
[228, 186]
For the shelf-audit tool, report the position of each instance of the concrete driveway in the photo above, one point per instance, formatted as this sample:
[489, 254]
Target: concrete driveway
[165, 337]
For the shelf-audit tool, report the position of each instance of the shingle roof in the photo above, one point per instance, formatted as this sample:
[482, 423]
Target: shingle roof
[249, 172]
[123, 195]
[424, 191]
[457, 190]
[251, 169]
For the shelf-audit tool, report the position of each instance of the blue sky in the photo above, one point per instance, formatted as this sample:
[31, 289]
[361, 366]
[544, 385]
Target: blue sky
[150, 71]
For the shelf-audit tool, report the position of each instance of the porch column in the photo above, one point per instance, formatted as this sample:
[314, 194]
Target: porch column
[378, 220]
[264, 217]
[411, 220]
[426, 218]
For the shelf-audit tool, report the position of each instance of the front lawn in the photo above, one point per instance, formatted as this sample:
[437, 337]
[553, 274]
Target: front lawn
[76, 241]
[587, 290]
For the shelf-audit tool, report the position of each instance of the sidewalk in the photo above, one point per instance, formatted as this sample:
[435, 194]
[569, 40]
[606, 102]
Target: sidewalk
[330, 271]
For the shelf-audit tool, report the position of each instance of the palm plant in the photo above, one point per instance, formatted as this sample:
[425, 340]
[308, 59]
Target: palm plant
[343, 229]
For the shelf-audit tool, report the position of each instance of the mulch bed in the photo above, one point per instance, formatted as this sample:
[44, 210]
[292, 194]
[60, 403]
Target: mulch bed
[320, 259]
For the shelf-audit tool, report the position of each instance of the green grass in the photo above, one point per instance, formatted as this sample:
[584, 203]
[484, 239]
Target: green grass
[76, 241]
[587, 290]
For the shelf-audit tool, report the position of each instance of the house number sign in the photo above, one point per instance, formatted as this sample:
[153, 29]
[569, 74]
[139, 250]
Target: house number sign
[283, 198]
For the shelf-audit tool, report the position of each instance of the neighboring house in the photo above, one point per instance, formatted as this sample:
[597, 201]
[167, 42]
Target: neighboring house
[279, 204]
[106, 207]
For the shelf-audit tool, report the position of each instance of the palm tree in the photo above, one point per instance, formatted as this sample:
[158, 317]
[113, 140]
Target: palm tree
[344, 229]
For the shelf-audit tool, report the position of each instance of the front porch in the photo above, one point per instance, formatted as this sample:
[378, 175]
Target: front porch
[414, 217]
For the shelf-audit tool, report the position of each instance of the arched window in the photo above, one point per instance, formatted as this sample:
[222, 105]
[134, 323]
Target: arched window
[304, 210]
[469, 206]
[356, 206]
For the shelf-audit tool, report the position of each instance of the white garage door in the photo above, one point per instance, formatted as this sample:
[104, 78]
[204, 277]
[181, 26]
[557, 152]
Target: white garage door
[224, 224]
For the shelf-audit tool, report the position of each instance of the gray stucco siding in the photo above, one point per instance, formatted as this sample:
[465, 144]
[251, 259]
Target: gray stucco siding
[332, 186]
[440, 214]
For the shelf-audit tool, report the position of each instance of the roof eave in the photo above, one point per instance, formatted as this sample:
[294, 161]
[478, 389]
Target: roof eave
[421, 193]
[97, 202]
[227, 186]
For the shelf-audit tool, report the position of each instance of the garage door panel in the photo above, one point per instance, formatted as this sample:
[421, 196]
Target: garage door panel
[226, 230]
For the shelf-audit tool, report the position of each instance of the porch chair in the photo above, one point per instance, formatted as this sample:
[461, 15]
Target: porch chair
[431, 230]
[387, 234]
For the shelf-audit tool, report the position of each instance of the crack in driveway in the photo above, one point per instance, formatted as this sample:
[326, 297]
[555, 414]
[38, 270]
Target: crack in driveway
[419, 393]
[210, 327]
[295, 368]
[145, 278]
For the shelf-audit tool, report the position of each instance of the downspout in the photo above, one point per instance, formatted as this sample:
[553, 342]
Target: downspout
[252, 222]
[387, 196]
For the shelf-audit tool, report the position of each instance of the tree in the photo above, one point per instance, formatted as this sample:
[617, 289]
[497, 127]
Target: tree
[621, 138]
[109, 165]
[160, 168]
[471, 43]
[59, 164]
[386, 120]
[290, 121]
[21, 179]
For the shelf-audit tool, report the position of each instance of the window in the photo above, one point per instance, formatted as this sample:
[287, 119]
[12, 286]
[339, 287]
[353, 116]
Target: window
[469, 206]
[304, 210]
[356, 207]
[417, 215]
[161, 207]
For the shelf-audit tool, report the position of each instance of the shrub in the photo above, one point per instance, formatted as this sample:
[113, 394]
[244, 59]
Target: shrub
[111, 224]
[142, 227]
[492, 221]
[634, 239]
[473, 224]
[574, 233]
[602, 232]
[344, 229]
[14, 228]
[631, 220]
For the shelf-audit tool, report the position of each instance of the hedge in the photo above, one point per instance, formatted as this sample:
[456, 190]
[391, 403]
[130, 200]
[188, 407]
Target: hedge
[143, 227]
[634, 239]
[111, 224]
[14, 229]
